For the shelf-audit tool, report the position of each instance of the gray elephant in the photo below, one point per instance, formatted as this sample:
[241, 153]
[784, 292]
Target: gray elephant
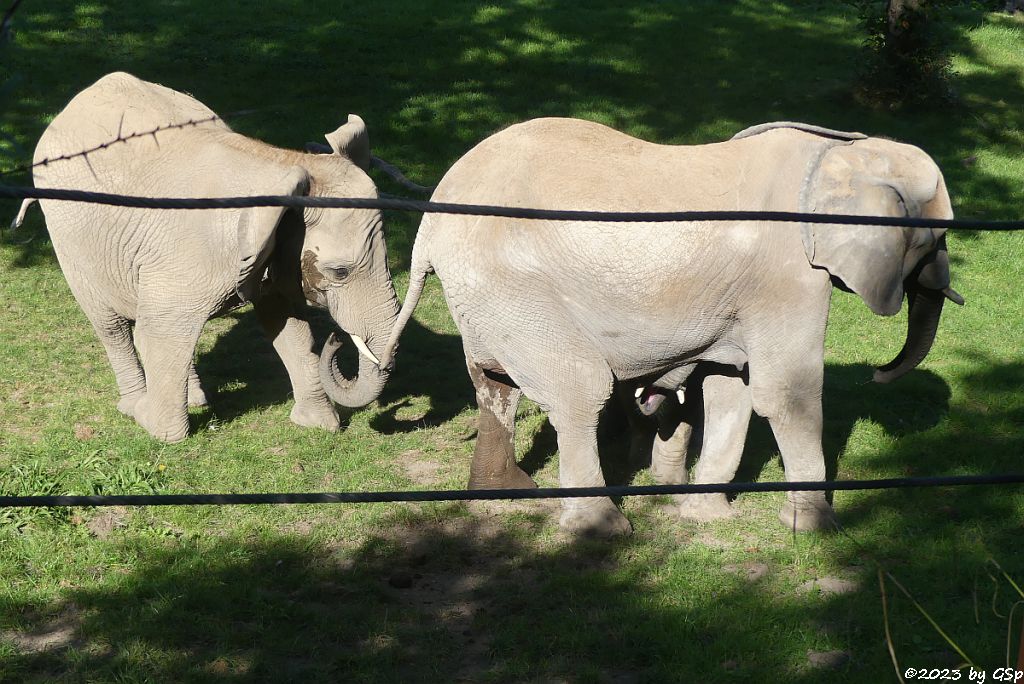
[149, 279]
[561, 310]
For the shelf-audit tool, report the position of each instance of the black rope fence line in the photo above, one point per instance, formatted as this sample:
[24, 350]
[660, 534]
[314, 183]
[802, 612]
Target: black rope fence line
[503, 494]
[401, 204]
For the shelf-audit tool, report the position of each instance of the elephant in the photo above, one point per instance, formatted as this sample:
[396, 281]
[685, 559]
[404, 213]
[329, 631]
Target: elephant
[561, 311]
[149, 279]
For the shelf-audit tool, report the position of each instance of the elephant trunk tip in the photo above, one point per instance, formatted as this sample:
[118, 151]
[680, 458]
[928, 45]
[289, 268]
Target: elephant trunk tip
[355, 392]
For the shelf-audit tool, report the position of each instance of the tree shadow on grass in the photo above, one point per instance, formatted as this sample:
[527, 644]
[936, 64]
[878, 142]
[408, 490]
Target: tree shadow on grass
[439, 597]
[431, 364]
[449, 592]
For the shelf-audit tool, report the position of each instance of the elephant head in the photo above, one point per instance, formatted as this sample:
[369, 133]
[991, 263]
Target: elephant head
[342, 259]
[881, 264]
[345, 268]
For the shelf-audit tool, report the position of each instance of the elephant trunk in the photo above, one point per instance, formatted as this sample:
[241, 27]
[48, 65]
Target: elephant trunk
[351, 392]
[922, 322]
[372, 375]
[927, 290]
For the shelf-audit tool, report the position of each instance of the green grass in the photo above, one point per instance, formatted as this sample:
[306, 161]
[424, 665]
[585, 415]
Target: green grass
[306, 593]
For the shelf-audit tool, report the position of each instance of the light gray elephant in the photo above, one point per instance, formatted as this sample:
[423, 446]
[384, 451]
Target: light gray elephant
[561, 310]
[149, 279]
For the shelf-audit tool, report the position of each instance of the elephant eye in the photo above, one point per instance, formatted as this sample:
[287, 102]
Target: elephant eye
[338, 273]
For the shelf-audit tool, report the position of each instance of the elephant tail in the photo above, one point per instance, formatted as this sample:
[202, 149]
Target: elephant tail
[16, 223]
[419, 268]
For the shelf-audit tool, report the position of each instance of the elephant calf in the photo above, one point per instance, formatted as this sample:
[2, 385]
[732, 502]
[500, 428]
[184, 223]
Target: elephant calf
[560, 311]
[149, 279]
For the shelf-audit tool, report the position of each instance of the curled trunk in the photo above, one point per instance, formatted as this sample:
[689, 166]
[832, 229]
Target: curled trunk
[351, 392]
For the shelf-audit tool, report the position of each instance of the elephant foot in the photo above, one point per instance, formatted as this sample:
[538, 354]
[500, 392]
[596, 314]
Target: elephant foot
[315, 416]
[807, 516]
[197, 397]
[599, 518]
[127, 403]
[166, 428]
[704, 507]
[668, 474]
[512, 477]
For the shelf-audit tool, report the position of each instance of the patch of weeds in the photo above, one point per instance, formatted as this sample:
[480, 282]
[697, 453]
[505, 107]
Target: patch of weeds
[106, 478]
[91, 475]
[32, 478]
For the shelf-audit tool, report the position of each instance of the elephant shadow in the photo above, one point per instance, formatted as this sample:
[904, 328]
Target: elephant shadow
[428, 364]
[914, 404]
[243, 373]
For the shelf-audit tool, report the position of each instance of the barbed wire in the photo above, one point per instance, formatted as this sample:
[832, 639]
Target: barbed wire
[504, 494]
[404, 204]
[131, 136]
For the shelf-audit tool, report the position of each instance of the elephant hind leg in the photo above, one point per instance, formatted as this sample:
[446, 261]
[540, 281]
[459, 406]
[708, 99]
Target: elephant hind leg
[573, 409]
[115, 333]
[166, 344]
[196, 395]
[494, 458]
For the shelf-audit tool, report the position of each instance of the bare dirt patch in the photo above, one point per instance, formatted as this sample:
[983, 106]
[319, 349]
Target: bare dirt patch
[829, 586]
[420, 469]
[748, 570]
[107, 521]
[58, 632]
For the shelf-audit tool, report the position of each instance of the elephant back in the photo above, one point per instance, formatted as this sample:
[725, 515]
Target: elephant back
[119, 117]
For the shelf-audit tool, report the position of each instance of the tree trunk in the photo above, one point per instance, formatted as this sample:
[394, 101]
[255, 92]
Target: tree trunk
[896, 12]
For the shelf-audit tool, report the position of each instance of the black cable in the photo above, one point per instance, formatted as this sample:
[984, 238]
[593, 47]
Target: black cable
[299, 202]
[503, 494]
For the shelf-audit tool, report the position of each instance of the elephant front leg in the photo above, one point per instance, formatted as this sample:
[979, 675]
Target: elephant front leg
[293, 342]
[668, 452]
[494, 459]
[726, 420]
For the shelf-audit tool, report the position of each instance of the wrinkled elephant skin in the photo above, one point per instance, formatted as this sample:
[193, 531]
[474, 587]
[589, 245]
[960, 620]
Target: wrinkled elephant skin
[562, 310]
[149, 279]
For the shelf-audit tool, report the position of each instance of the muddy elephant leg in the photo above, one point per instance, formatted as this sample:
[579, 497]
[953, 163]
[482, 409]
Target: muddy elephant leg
[787, 391]
[196, 395]
[494, 456]
[115, 333]
[726, 420]
[293, 341]
[166, 344]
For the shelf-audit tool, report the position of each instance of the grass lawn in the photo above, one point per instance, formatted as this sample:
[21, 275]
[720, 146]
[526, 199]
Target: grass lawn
[446, 592]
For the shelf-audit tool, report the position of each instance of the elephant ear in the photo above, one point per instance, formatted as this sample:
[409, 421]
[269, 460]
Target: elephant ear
[257, 227]
[352, 141]
[873, 177]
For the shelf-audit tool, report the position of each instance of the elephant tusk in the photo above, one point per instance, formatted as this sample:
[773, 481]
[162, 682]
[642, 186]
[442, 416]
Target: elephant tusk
[953, 296]
[681, 395]
[639, 391]
[363, 349]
